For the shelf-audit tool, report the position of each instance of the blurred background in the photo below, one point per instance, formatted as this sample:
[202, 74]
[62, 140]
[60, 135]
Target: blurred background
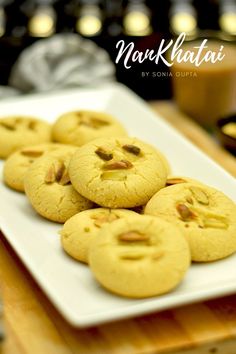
[24, 22]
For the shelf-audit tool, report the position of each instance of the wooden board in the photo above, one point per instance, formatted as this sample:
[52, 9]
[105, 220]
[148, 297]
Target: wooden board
[33, 326]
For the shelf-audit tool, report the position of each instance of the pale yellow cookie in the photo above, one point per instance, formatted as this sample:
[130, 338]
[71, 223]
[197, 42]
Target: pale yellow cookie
[80, 127]
[205, 215]
[17, 164]
[79, 232]
[139, 256]
[47, 185]
[19, 131]
[117, 172]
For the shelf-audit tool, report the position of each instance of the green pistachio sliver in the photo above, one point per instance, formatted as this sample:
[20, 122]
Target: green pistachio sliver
[114, 175]
[199, 195]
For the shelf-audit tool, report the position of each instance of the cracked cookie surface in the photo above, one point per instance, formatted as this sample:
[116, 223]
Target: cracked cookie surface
[19, 131]
[80, 127]
[79, 231]
[17, 164]
[48, 188]
[117, 172]
[205, 215]
[139, 256]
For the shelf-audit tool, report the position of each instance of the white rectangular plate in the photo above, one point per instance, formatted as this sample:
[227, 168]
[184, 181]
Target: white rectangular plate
[69, 284]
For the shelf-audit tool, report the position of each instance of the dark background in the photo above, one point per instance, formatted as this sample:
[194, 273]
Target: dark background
[16, 37]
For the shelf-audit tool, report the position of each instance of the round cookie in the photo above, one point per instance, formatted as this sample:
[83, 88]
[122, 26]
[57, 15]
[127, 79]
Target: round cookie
[117, 172]
[205, 215]
[16, 164]
[139, 256]
[19, 131]
[80, 127]
[48, 187]
[79, 231]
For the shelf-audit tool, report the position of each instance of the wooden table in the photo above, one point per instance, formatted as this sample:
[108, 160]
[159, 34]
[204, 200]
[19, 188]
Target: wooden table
[33, 326]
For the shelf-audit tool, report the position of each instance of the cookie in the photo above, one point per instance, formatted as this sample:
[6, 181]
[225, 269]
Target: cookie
[205, 215]
[20, 131]
[48, 187]
[139, 256]
[80, 127]
[79, 231]
[117, 172]
[17, 164]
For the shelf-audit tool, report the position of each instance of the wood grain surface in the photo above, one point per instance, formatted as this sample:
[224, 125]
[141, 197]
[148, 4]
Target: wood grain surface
[33, 326]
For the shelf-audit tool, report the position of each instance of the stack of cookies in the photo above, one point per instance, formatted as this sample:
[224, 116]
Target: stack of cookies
[136, 227]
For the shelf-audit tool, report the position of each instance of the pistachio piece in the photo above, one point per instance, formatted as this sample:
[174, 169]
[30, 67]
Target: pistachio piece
[189, 200]
[171, 181]
[8, 126]
[57, 174]
[50, 176]
[214, 223]
[132, 255]
[132, 149]
[100, 220]
[60, 171]
[215, 220]
[65, 179]
[184, 212]
[31, 153]
[199, 195]
[114, 175]
[98, 123]
[207, 214]
[133, 236]
[103, 154]
[32, 125]
[91, 122]
[118, 165]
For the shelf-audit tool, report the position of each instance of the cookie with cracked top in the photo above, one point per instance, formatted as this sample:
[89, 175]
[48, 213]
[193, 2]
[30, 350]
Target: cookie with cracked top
[139, 256]
[117, 172]
[80, 127]
[206, 216]
[19, 131]
[17, 164]
[48, 187]
[79, 232]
